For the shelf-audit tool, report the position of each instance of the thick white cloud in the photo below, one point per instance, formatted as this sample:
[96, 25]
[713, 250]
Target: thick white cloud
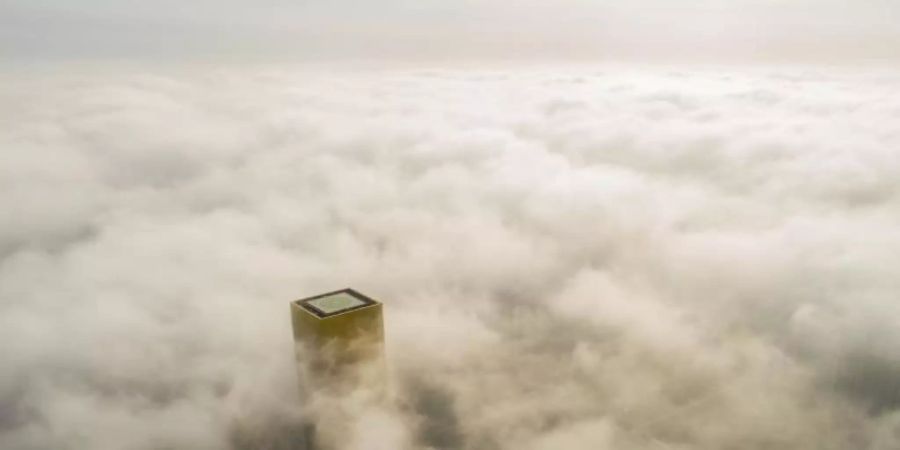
[570, 258]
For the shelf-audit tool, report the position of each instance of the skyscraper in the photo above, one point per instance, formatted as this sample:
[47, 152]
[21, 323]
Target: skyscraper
[339, 334]
[339, 338]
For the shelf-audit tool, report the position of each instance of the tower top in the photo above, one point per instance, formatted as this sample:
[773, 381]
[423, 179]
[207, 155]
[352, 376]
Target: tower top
[335, 303]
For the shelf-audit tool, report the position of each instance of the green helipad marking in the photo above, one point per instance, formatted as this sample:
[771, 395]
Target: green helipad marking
[336, 303]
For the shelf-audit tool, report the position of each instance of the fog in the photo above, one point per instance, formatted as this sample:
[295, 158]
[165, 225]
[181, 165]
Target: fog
[569, 257]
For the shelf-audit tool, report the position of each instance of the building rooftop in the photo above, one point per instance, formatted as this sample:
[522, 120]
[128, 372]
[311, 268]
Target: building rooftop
[334, 303]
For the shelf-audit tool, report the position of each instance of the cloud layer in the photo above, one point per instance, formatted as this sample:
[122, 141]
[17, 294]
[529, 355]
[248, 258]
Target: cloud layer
[571, 258]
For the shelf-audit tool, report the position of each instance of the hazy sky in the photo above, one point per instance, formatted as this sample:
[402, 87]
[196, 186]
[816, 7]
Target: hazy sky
[681, 30]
